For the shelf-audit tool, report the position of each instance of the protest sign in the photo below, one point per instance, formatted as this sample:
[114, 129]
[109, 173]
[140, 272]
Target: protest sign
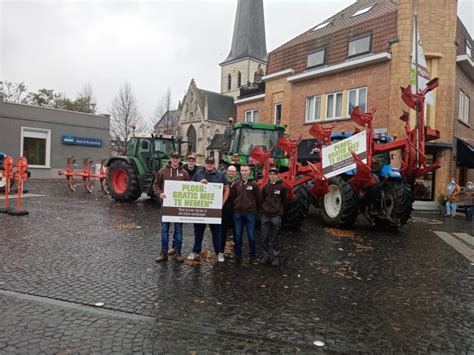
[192, 202]
[337, 157]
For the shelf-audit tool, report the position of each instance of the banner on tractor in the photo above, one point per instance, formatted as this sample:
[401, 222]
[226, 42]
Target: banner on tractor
[192, 202]
[337, 157]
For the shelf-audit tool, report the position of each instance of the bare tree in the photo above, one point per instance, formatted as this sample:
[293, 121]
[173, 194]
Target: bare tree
[86, 101]
[164, 119]
[125, 119]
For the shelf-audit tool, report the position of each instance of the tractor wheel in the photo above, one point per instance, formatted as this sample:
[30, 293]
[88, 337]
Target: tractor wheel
[3, 183]
[122, 181]
[339, 207]
[395, 203]
[297, 209]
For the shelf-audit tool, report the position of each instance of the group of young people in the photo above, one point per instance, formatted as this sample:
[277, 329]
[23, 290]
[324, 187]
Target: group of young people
[242, 201]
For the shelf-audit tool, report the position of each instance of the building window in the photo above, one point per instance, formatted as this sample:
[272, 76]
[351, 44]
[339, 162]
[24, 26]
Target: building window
[229, 82]
[363, 11]
[251, 116]
[316, 58]
[313, 109]
[321, 26]
[360, 45]
[464, 102]
[191, 134]
[357, 97]
[277, 118]
[36, 146]
[334, 105]
[239, 79]
[468, 49]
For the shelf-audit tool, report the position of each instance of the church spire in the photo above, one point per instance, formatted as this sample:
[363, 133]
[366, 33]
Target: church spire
[249, 32]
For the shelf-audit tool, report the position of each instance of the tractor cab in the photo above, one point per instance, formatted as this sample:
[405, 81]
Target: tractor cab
[151, 151]
[246, 136]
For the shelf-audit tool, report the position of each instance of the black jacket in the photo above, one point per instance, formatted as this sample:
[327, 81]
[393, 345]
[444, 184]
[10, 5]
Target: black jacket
[275, 198]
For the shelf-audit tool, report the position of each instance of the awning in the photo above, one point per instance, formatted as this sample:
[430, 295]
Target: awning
[465, 152]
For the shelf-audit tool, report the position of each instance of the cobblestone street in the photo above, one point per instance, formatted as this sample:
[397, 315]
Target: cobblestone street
[356, 291]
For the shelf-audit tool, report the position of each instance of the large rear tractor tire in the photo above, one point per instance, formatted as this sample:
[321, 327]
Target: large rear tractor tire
[396, 204]
[297, 209]
[122, 181]
[339, 207]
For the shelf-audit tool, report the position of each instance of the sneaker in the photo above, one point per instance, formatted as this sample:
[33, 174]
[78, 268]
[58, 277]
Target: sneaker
[193, 256]
[220, 257]
[275, 262]
[171, 251]
[162, 257]
[264, 260]
[234, 259]
[178, 257]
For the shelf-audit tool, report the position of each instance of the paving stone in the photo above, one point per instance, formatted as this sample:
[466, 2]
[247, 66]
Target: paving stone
[375, 291]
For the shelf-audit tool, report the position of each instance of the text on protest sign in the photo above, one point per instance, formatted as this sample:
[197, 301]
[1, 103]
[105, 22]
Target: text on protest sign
[337, 157]
[192, 202]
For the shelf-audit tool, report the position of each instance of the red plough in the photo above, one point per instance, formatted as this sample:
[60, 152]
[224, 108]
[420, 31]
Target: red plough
[86, 174]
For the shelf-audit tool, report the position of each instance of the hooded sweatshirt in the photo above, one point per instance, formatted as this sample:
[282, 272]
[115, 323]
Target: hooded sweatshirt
[168, 173]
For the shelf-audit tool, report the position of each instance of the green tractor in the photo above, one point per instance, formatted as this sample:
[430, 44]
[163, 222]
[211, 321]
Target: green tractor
[243, 137]
[131, 175]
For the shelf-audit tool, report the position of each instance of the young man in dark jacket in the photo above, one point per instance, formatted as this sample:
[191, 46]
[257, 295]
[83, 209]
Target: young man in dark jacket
[173, 171]
[191, 167]
[228, 208]
[247, 198]
[205, 175]
[273, 206]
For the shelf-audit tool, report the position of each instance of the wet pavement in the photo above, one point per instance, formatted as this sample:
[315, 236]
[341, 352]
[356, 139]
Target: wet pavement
[355, 291]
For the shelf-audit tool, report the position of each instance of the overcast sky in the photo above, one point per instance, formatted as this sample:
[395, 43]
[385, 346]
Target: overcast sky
[63, 45]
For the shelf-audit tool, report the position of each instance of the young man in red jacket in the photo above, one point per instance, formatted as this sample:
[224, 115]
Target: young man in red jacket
[273, 206]
[173, 171]
[247, 199]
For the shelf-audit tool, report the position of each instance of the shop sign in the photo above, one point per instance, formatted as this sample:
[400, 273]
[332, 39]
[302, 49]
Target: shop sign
[88, 142]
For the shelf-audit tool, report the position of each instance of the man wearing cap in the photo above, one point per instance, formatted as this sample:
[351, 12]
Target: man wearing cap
[173, 171]
[191, 167]
[205, 175]
[273, 206]
[247, 198]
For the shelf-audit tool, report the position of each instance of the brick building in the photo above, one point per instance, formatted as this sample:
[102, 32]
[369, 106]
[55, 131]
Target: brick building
[361, 56]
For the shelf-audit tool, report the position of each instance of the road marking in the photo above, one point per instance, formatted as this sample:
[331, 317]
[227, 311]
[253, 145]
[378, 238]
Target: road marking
[458, 245]
[76, 306]
[466, 237]
[13, 196]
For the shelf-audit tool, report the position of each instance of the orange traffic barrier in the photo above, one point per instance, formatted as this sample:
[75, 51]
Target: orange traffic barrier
[20, 176]
[7, 173]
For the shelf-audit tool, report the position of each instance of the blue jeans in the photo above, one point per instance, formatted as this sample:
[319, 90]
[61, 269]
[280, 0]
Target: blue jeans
[451, 208]
[249, 220]
[177, 236]
[199, 235]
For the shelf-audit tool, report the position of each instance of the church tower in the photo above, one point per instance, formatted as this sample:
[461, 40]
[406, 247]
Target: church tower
[247, 59]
